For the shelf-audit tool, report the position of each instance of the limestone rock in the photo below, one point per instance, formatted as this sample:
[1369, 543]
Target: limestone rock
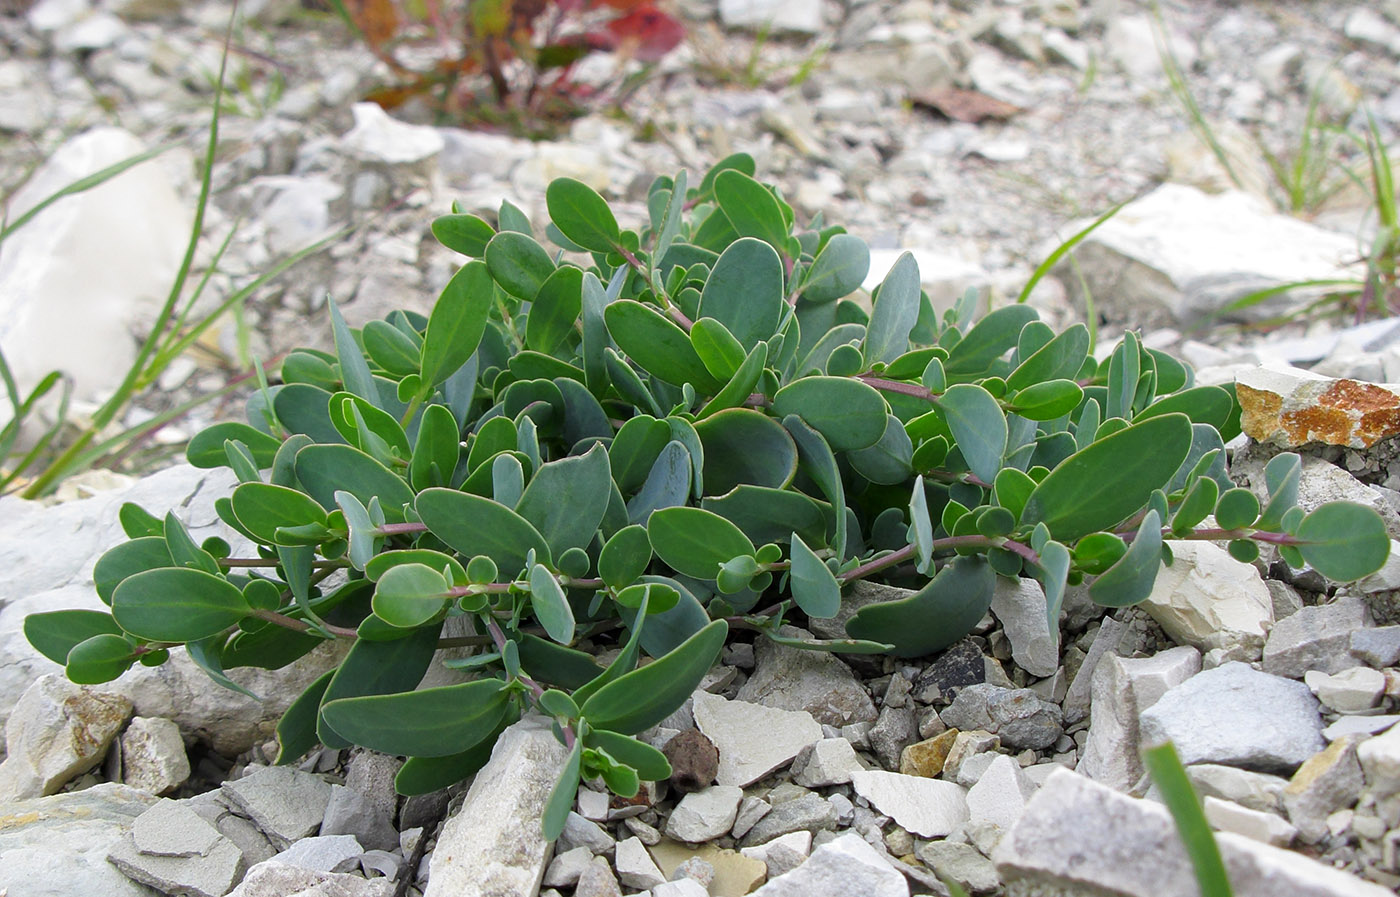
[1234, 714]
[753, 740]
[1209, 600]
[779, 15]
[705, 815]
[1380, 760]
[377, 137]
[1290, 407]
[829, 762]
[286, 803]
[172, 829]
[209, 875]
[1267, 828]
[57, 846]
[635, 867]
[805, 813]
[839, 868]
[1315, 638]
[1355, 690]
[926, 758]
[962, 863]
[79, 279]
[323, 853]
[1018, 716]
[274, 879]
[58, 730]
[1000, 794]
[1255, 790]
[1020, 606]
[1329, 781]
[1177, 254]
[793, 679]
[1122, 689]
[153, 755]
[930, 808]
[1080, 836]
[494, 844]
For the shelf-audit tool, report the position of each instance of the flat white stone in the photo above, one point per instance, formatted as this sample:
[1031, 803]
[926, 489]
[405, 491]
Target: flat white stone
[930, 808]
[1020, 606]
[753, 740]
[842, 867]
[378, 137]
[153, 755]
[172, 829]
[286, 803]
[1000, 794]
[1207, 599]
[705, 815]
[780, 15]
[58, 730]
[1359, 725]
[1267, 828]
[1351, 691]
[831, 762]
[323, 853]
[1122, 689]
[635, 867]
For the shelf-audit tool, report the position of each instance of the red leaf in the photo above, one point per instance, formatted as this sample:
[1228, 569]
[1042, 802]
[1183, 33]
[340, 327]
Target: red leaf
[646, 33]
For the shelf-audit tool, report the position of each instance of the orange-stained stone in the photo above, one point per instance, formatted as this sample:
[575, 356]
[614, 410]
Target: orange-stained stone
[1291, 407]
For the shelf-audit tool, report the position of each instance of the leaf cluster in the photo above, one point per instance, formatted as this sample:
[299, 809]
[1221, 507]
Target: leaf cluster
[641, 439]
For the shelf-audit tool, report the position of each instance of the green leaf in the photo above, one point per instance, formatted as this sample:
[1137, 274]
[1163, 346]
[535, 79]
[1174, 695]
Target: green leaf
[183, 550]
[744, 292]
[649, 762]
[658, 345]
[1344, 541]
[1124, 368]
[410, 595]
[1059, 359]
[376, 433]
[771, 515]
[1053, 573]
[385, 561]
[566, 499]
[642, 698]
[354, 370]
[683, 431]
[436, 450]
[325, 469]
[391, 349]
[1012, 489]
[936, 616]
[457, 323]
[666, 485]
[745, 380]
[745, 446]
[561, 798]
[818, 462]
[978, 425]
[1109, 480]
[581, 214]
[896, 311]
[518, 264]
[838, 270]
[828, 646]
[987, 341]
[751, 208]
[208, 655]
[466, 234]
[424, 775]
[474, 525]
[54, 634]
[177, 605]
[1164, 766]
[649, 598]
[1130, 579]
[695, 542]
[127, 559]
[555, 311]
[551, 607]
[848, 413]
[98, 659]
[305, 410]
[378, 668]
[1196, 505]
[814, 588]
[1281, 475]
[1203, 404]
[922, 525]
[1237, 509]
[206, 449]
[1048, 400]
[635, 448]
[296, 731]
[431, 722]
[719, 351]
[625, 556]
[263, 508]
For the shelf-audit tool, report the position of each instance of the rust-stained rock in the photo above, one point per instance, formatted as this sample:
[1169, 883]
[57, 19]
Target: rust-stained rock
[57, 731]
[1291, 407]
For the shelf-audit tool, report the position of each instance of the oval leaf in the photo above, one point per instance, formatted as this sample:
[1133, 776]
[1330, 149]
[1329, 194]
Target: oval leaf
[642, 698]
[177, 605]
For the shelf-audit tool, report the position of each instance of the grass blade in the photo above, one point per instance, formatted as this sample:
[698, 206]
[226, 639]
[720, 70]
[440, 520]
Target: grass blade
[1044, 267]
[1170, 777]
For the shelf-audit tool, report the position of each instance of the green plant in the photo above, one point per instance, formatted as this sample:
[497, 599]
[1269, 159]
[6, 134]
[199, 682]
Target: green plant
[692, 431]
[178, 327]
[509, 64]
[1164, 766]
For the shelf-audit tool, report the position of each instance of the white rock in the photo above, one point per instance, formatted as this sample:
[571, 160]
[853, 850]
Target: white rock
[797, 842]
[793, 679]
[172, 829]
[494, 844]
[153, 755]
[297, 210]
[930, 808]
[566, 867]
[635, 867]
[839, 868]
[57, 846]
[1000, 794]
[1351, 691]
[685, 887]
[1122, 689]
[1267, 828]
[831, 762]
[1208, 600]
[593, 805]
[1380, 760]
[58, 730]
[376, 137]
[1131, 42]
[1255, 790]
[1085, 837]
[286, 803]
[1359, 725]
[780, 15]
[1317, 637]
[78, 280]
[1020, 606]
[1368, 27]
[705, 815]
[753, 740]
[1177, 254]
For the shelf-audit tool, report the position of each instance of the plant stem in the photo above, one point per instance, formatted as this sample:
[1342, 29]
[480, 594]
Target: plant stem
[908, 389]
[296, 625]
